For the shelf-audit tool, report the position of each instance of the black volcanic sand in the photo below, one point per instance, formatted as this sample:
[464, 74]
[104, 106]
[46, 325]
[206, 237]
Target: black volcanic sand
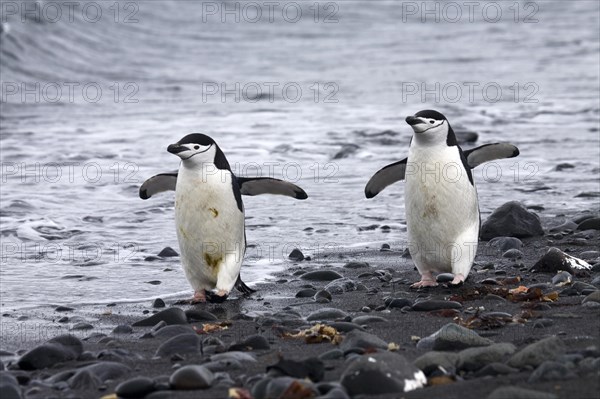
[576, 325]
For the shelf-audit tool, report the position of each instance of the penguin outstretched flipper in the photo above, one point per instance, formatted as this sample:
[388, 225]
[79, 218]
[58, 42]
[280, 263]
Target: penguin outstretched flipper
[384, 177]
[490, 152]
[267, 185]
[157, 184]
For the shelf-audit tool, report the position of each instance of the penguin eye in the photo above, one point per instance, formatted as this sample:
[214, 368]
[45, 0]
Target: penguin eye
[432, 121]
[196, 147]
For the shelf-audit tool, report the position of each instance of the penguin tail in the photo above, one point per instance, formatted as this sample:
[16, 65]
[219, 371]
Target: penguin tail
[242, 287]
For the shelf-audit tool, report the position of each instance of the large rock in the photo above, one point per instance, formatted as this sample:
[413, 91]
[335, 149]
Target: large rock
[511, 220]
[9, 386]
[555, 260]
[537, 353]
[191, 376]
[381, 373]
[519, 393]
[58, 349]
[363, 340]
[453, 337]
[182, 344]
[170, 316]
[473, 359]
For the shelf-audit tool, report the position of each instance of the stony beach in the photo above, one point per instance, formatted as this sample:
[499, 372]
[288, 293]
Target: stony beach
[526, 324]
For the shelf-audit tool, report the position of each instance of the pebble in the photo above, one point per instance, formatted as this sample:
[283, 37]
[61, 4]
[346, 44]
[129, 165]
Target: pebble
[311, 368]
[327, 314]
[252, 342]
[196, 314]
[537, 353]
[182, 344]
[589, 224]
[555, 260]
[284, 387]
[447, 360]
[58, 349]
[494, 369]
[63, 309]
[344, 326]
[331, 355]
[81, 326]
[321, 275]
[562, 278]
[511, 219]
[172, 331]
[340, 286]
[296, 255]
[306, 293]
[397, 302]
[158, 303]
[191, 377]
[9, 386]
[357, 265]
[381, 373]
[363, 340]
[506, 243]
[542, 323]
[519, 393]
[136, 387]
[122, 329]
[473, 359]
[551, 371]
[513, 254]
[444, 278]
[169, 316]
[369, 319]
[452, 337]
[167, 252]
[593, 297]
[435, 304]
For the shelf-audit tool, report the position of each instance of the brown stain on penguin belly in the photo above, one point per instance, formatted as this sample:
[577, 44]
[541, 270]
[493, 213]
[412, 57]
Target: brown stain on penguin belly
[213, 262]
[430, 210]
[214, 212]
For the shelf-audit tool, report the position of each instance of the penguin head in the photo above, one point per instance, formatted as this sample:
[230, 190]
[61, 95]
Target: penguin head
[196, 149]
[429, 122]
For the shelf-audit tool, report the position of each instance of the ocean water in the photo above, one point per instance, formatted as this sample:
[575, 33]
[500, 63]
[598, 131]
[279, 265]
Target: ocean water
[314, 92]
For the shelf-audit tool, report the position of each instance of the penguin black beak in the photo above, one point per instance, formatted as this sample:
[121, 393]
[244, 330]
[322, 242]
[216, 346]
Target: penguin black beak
[413, 120]
[176, 148]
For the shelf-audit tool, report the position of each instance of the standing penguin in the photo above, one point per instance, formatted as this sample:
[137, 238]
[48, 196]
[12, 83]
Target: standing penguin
[209, 214]
[442, 211]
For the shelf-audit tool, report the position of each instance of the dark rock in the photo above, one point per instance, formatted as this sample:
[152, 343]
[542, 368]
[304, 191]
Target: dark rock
[537, 353]
[158, 303]
[556, 260]
[435, 304]
[562, 278]
[306, 293]
[122, 329]
[191, 377]
[344, 326]
[589, 255]
[170, 316]
[551, 371]
[385, 247]
[473, 359]
[63, 309]
[311, 368]
[519, 393]
[589, 224]
[347, 150]
[172, 331]
[447, 360]
[381, 373]
[251, 343]
[340, 286]
[506, 243]
[593, 297]
[84, 380]
[56, 350]
[285, 387]
[196, 314]
[542, 323]
[9, 386]
[234, 355]
[182, 344]
[563, 166]
[136, 387]
[327, 314]
[397, 302]
[296, 255]
[494, 369]
[81, 326]
[369, 319]
[331, 354]
[511, 220]
[452, 337]
[321, 275]
[167, 252]
[323, 296]
[362, 339]
[444, 278]
[223, 365]
[357, 265]
[513, 254]
[465, 136]
[565, 227]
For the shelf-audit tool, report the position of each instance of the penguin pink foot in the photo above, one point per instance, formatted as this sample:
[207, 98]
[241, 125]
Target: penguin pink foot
[427, 280]
[199, 297]
[459, 279]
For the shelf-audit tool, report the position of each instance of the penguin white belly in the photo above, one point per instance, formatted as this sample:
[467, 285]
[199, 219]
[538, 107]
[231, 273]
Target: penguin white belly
[210, 229]
[442, 211]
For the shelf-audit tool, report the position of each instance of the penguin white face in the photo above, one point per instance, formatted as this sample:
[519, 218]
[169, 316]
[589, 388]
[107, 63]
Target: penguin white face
[428, 121]
[195, 149]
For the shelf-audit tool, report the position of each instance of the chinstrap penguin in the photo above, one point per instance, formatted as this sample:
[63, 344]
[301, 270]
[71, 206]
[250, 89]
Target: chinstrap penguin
[209, 214]
[442, 210]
